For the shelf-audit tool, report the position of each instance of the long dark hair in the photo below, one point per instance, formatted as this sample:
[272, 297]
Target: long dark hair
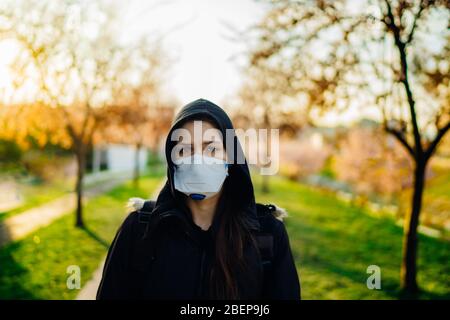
[231, 239]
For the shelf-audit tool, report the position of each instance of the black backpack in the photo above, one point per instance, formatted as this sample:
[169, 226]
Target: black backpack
[142, 256]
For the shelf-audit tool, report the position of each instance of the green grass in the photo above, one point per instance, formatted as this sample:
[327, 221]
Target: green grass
[333, 244]
[435, 211]
[40, 193]
[439, 186]
[35, 267]
[37, 194]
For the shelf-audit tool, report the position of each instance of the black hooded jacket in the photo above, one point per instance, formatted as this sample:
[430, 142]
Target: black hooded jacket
[168, 257]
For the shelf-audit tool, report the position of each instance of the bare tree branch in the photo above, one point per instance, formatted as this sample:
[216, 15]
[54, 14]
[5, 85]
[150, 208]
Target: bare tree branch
[416, 18]
[401, 138]
[432, 147]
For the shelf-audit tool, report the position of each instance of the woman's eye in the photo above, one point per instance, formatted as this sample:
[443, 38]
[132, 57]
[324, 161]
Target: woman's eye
[211, 150]
[184, 151]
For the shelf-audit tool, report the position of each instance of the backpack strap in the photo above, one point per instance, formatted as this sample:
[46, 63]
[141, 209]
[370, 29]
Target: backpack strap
[264, 238]
[141, 245]
[142, 251]
[146, 211]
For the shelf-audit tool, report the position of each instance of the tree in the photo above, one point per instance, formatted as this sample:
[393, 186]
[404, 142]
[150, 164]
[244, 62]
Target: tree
[72, 62]
[70, 69]
[139, 115]
[139, 124]
[392, 54]
[262, 95]
[304, 156]
[373, 162]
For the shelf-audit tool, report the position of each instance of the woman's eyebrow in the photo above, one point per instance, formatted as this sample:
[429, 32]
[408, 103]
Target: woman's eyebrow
[204, 142]
[211, 141]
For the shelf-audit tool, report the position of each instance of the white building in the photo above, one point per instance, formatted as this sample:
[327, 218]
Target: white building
[117, 158]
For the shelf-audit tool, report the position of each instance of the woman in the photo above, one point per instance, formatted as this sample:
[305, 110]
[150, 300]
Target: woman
[205, 237]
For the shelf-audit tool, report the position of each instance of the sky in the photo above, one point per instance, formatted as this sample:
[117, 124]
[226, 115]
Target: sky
[197, 37]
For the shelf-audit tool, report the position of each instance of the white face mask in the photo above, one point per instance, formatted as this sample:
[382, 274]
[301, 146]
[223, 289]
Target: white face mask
[200, 177]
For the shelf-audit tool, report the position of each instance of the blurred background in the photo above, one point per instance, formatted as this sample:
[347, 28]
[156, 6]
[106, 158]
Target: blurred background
[359, 91]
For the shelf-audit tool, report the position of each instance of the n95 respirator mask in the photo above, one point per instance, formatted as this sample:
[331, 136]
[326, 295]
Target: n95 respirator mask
[199, 176]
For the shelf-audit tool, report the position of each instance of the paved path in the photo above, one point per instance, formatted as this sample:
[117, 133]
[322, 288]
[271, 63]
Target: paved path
[89, 290]
[20, 225]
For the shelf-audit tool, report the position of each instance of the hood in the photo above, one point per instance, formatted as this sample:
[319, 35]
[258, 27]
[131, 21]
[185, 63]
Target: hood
[170, 199]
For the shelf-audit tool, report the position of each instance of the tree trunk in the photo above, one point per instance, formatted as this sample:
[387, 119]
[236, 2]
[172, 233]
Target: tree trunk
[268, 146]
[136, 173]
[409, 262]
[81, 160]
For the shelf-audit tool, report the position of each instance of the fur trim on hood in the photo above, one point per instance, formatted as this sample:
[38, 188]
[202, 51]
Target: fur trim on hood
[279, 213]
[135, 204]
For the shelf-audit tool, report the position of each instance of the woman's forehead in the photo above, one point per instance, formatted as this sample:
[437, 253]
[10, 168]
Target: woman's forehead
[203, 124]
[197, 132]
[201, 130]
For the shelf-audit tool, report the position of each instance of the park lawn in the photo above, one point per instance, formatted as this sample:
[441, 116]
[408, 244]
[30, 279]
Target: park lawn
[439, 184]
[334, 242]
[436, 197]
[40, 193]
[37, 194]
[436, 200]
[35, 267]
